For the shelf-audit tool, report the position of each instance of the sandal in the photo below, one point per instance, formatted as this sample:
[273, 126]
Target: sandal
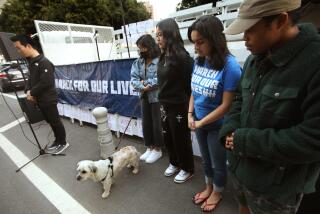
[197, 199]
[210, 207]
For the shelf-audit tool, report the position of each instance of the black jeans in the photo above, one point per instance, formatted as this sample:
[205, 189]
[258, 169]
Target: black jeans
[151, 124]
[177, 135]
[51, 115]
[310, 202]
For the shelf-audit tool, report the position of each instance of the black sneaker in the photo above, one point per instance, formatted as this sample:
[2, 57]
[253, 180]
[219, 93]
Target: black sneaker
[52, 146]
[61, 147]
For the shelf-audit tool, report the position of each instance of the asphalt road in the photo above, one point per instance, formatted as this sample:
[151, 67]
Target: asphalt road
[48, 184]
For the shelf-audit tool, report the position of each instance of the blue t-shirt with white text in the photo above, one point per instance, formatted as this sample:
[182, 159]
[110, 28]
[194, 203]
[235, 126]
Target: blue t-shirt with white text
[208, 85]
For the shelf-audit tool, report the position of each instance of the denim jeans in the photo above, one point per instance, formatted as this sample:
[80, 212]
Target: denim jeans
[213, 156]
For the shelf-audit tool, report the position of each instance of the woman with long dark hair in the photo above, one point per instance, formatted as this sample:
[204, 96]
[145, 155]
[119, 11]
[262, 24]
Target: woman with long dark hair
[215, 77]
[144, 80]
[174, 76]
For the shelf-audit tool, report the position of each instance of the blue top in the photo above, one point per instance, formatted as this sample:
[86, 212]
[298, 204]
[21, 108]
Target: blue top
[149, 75]
[208, 85]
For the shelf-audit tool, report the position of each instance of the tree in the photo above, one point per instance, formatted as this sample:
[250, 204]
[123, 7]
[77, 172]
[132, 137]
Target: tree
[17, 16]
[185, 4]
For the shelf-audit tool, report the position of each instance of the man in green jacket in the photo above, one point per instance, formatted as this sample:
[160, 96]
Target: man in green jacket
[272, 131]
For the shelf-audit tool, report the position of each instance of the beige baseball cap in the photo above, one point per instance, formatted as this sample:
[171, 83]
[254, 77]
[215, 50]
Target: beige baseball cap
[251, 11]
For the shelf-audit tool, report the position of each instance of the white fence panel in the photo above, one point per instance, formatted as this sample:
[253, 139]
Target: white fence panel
[66, 43]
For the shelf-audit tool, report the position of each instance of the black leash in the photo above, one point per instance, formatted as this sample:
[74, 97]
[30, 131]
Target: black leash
[134, 110]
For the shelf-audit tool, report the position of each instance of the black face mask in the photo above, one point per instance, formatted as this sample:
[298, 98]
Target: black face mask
[144, 54]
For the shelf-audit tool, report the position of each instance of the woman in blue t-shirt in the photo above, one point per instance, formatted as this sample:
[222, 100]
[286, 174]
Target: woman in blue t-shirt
[214, 79]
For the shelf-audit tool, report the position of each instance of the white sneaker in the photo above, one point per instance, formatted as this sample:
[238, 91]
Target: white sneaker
[171, 170]
[182, 177]
[154, 156]
[145, 155]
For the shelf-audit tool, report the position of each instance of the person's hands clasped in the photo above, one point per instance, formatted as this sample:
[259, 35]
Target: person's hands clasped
[146, 88]
[191, 122]
[229, 141]
[30, 97]
[197, 124]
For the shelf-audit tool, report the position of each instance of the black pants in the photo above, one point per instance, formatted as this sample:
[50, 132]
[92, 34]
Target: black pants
[51, 115]
[177, 135]
[151, 124]
[310, 202]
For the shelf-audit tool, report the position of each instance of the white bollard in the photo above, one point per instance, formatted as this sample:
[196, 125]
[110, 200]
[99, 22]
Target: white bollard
[104, 134]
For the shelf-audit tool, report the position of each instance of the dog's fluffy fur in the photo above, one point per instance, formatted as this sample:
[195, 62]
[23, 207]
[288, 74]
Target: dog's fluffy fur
[100, 170]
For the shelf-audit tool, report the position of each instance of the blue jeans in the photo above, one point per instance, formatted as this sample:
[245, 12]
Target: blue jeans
[214, 157]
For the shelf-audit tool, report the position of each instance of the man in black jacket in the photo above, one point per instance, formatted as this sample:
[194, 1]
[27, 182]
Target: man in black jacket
[41, 89]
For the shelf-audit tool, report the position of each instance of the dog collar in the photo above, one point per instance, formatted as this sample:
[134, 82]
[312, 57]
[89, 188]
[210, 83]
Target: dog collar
[110, 167]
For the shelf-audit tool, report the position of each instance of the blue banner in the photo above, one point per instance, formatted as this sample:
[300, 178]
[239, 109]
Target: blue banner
[96, 84]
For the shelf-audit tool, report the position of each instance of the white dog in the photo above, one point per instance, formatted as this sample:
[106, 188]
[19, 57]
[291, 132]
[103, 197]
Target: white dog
[105, 171]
